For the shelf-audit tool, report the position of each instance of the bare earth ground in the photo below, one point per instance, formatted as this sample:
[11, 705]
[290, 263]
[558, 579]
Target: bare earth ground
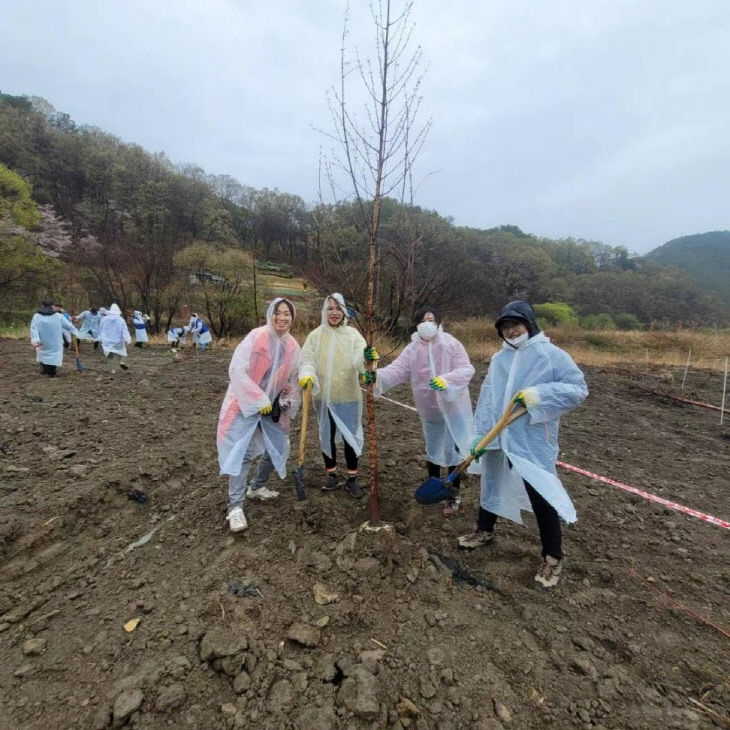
[607, 650]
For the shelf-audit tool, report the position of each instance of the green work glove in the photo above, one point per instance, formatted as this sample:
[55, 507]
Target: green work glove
[528, 397]
[368, 377]
[474, 451]
[437, 384]
[370, 354]
[305, 381]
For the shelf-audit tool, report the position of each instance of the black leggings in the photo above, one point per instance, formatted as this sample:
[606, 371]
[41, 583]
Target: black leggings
[351, 459]
[548, 522]
[434, 470]
[49, 370]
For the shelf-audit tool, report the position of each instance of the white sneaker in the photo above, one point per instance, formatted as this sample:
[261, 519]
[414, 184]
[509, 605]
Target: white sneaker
[548, 576]
[237, 520]
[262, 493]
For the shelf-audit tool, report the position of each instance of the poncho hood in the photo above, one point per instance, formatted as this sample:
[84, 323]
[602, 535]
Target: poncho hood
[114, 309]
[519, 310]
[270, 315]
[341, 303]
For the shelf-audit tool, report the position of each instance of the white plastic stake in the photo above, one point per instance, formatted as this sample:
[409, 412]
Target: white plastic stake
[686, 367]
[724, 388]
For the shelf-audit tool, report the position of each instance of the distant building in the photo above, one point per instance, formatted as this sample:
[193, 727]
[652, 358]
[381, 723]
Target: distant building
[206, 276]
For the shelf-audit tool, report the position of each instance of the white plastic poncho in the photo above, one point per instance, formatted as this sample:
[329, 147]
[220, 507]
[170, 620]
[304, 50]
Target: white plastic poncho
[199, 330]
[446, 416]
[89, 325]
[333, 356]
[263, 367]
[114, 333]
[139, 321]
[47, 330]
[530, 442]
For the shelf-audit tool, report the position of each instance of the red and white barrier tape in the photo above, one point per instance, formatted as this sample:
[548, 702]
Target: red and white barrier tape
[626, 487]
[647, 495]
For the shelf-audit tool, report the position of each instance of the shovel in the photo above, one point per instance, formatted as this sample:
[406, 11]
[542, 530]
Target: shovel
[79, 367]
[436, 490]
[299, 472]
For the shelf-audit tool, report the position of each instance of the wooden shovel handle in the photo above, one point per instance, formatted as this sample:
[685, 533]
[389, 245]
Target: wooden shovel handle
[306, 398]
[511, 413]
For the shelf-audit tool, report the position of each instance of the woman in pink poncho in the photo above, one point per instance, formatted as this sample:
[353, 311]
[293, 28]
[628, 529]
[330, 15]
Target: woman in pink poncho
[439, 371]
[262, 398]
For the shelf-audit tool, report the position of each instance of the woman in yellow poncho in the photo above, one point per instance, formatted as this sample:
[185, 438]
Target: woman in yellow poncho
[332, 358]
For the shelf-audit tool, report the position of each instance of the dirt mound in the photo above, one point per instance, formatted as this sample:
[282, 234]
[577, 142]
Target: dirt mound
[303, 621]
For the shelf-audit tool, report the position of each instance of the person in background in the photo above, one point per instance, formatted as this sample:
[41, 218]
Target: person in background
[66, 335]
[439, 370]
[261, 400]
[47, 328]
[139, 321]
[201, 333]
[176, 336]
[89, 325]
[115, 338]
[332, 357]
[518, 467]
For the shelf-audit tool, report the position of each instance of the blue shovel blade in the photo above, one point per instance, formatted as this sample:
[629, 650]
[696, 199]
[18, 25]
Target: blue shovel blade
[433, 490]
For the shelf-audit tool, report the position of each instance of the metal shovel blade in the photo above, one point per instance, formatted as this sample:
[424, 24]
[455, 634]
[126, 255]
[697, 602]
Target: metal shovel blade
[299, 483]
[433, 490]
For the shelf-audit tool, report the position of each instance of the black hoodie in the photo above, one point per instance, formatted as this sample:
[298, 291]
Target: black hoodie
[521, 311]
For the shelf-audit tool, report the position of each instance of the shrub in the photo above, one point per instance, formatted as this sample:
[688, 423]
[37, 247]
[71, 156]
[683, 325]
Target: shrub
[557, 314]
[602, 321]
[627, 321]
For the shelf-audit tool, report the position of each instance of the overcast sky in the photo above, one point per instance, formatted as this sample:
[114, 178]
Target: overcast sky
[604, 120]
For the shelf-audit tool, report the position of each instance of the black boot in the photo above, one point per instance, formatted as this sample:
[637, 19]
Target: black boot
[331, 484]
[353, 488]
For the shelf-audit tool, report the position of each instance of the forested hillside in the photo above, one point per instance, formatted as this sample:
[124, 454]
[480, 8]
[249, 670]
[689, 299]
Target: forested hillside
[106, 220]
[704, 258]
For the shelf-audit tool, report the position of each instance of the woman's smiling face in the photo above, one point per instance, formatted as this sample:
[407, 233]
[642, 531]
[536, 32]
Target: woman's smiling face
[335, 315]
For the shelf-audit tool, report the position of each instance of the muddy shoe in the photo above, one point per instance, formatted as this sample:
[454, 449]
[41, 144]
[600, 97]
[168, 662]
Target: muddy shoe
[331, 484]
[548, 576]
[475, 539]
[262, 493]
[123, 365]
[452, 505]
[237, 520]
[353, 489]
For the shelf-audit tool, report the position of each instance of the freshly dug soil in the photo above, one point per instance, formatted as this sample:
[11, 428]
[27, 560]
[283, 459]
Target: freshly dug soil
[230, 632]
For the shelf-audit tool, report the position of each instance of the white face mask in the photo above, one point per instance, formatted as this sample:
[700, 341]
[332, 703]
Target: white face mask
[427, 330]
[517, 342]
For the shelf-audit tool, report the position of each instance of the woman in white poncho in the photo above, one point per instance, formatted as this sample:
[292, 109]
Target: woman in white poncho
[518, 468]
[261, 400]
[114, 337]
[439, 370]
[332, 358]
[139, 321]
[90, 320]
[46, 335]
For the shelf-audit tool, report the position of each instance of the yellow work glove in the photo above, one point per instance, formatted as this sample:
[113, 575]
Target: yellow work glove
[437, 384]
[371, 354]
[528, 397]
[305, 381]
[368, 376]
[265, 410]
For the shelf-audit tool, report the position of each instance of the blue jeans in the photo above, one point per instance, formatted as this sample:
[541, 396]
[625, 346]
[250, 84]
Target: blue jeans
[237, 484]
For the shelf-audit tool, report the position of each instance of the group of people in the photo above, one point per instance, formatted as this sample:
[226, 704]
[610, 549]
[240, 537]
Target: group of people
[196, 327]
[52, 329]
[269, 373]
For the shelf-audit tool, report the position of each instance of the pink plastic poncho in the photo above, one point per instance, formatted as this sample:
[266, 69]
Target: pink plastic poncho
[263, 367]
[446, 416]
[333, 356]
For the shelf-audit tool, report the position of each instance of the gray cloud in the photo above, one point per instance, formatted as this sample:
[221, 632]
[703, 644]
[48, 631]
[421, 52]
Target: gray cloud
[602, 120]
